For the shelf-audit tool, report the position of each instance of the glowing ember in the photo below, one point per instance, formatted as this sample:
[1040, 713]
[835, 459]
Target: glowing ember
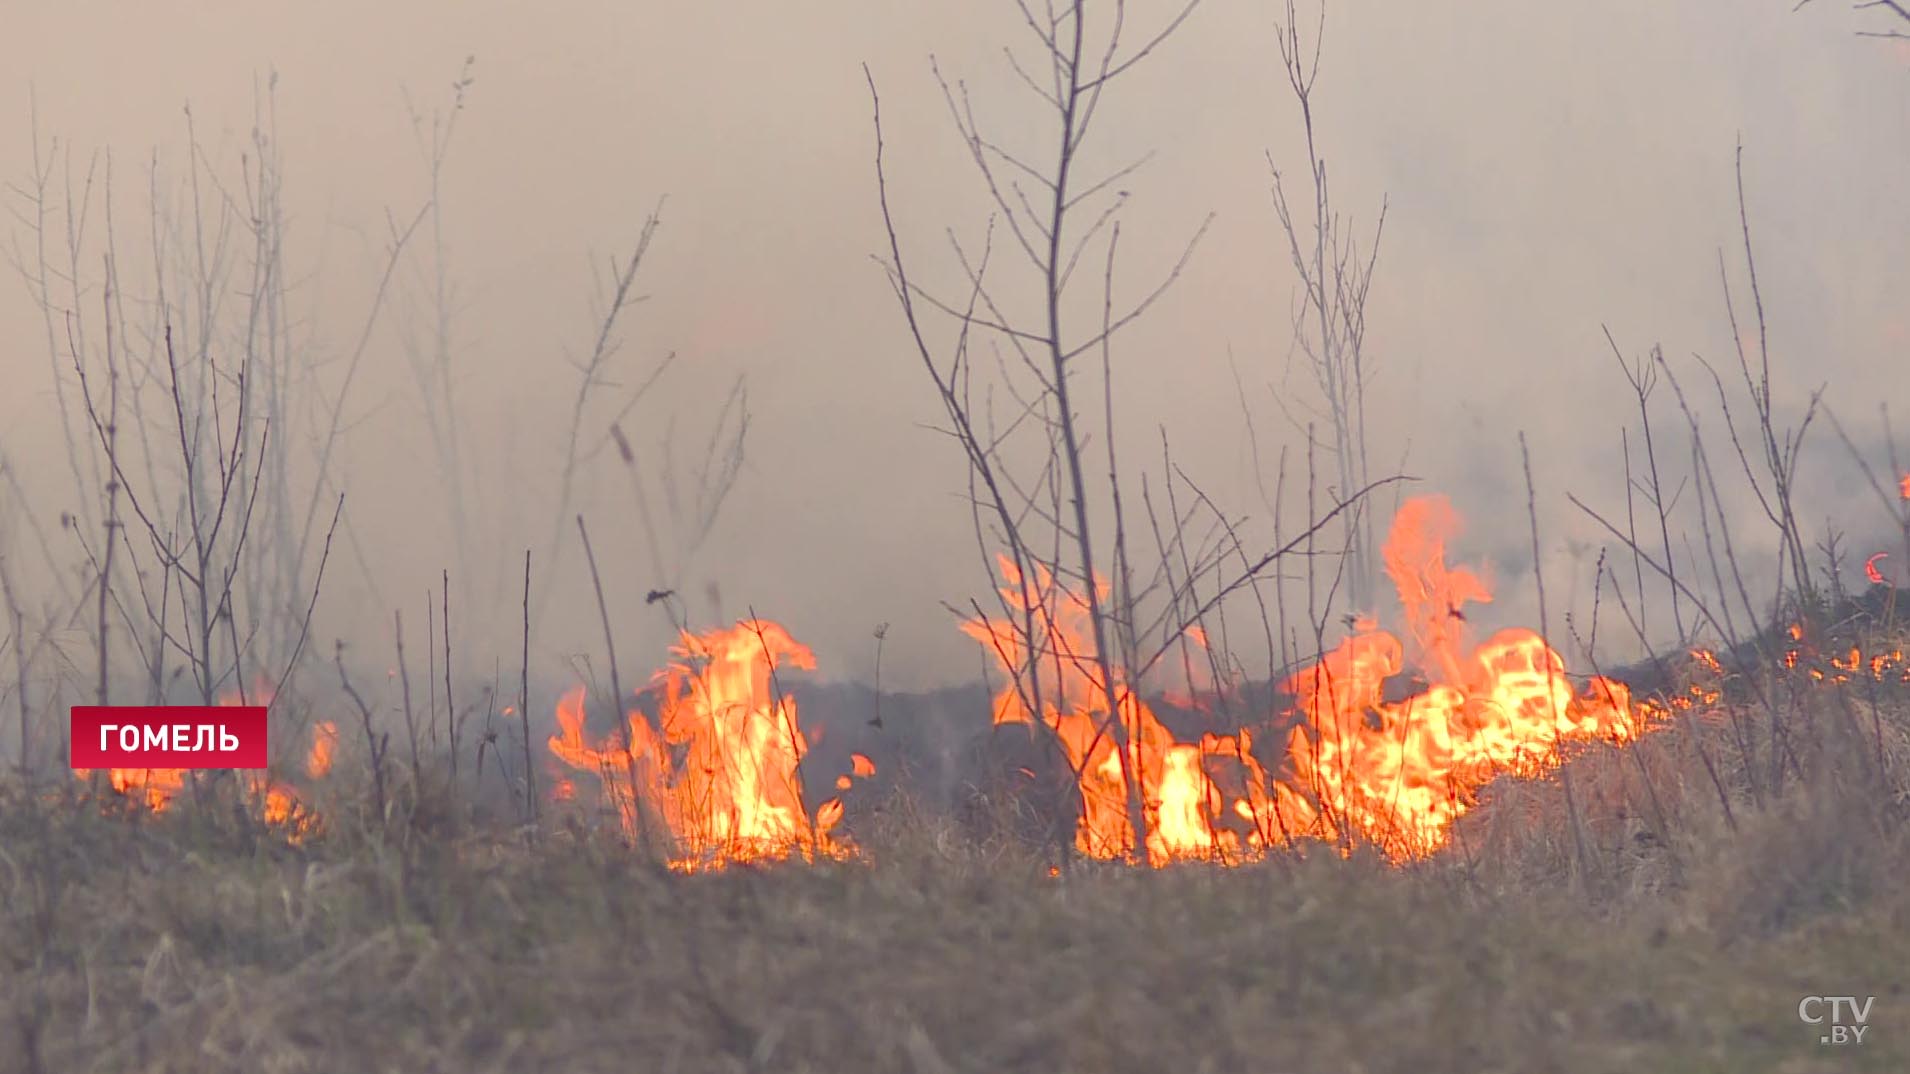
[1886, 666]
[1395, 774]
[715, 778]
[1871, 572]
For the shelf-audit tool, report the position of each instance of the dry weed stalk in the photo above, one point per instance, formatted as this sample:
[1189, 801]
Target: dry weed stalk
[1329, 318]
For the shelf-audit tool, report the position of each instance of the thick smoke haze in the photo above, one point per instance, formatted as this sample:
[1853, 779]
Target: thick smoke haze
[1548, 170]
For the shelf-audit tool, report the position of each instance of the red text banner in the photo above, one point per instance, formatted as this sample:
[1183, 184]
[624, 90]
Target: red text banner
[169, 736]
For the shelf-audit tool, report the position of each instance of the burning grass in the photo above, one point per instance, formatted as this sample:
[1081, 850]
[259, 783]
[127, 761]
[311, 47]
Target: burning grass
[166, 947]
[276, 803]
[1733, 862]
[1716, 896]
[715, 779]
[1503, 867]
[1358, 767]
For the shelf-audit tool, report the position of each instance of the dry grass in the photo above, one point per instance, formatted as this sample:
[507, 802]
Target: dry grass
[187, 943]
[176, 945]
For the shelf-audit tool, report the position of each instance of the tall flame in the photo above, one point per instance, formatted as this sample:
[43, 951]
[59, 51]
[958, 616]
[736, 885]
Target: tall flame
[1392, 773]
[715, 778]
[1399, 773]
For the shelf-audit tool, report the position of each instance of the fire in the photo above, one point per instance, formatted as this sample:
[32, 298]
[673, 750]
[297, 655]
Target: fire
[1180, 798]
[318, 763]
[860, 767]
[154, 786]
[1903, 486]
[277, 804]
[1887, 666]
[1359, 767]
[715, 778]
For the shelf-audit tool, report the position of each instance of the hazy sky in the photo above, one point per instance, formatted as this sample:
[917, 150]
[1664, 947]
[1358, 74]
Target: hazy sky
[1550, 168]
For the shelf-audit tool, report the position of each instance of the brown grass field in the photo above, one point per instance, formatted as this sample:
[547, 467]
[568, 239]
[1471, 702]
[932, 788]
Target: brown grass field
[196, 942]
[1195, 808]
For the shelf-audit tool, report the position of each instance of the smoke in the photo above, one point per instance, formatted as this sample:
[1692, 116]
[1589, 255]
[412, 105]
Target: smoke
[1550, 170]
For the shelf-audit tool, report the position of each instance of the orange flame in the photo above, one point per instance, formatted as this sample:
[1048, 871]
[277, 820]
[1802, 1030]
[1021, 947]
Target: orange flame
[1184, 809]
[318, 763]
[155, 786]
[1396, 774]
[716, 776]
[1399, 773]
[278, 804]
